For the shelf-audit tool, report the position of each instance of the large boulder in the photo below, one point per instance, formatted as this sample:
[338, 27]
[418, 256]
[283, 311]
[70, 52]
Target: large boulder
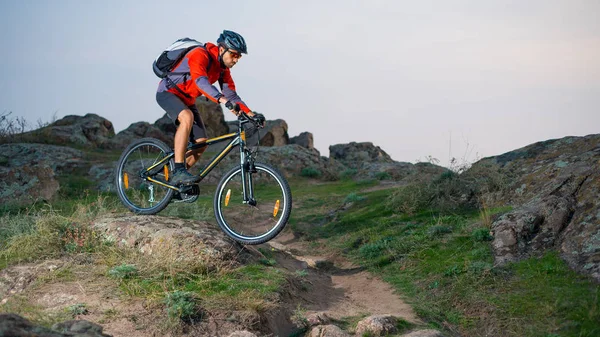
[377, 325]
[61, 159]
[189, 241]
[305, 139]
[86, 131]
[554, 187]
[28, 171]
[136, 131]
[26, 185]
[15, 325]
[354, 154]
[167, 127]
[273, 134]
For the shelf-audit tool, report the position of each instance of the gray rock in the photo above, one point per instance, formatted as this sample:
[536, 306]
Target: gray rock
[17, 326]
[26, 185]
[79, 328]
[166, 125]
[305, 139]
[243, 333]
[28, 171]
[88, 131]
[355, 154]
[424, 333]
[136, 131]
[554, 187]
[318, 318]
[60, 159]
[273, 134]
[377, 325]
[185, 240]
[104, 176]
[327, 331]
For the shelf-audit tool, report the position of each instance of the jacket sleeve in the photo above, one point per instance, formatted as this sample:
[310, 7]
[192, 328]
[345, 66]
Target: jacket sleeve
[228, 89]
[198, 62]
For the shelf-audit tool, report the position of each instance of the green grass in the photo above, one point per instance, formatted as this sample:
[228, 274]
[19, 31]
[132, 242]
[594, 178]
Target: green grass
[444, 265]
[441, 262]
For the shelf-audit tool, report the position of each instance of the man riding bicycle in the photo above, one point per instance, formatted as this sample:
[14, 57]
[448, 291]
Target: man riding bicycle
[193, 77]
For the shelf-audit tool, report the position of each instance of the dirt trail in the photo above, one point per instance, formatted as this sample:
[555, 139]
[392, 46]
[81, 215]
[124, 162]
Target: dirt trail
[334, 286]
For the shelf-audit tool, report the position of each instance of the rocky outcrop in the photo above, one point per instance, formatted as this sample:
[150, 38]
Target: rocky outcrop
[15, 325]
[273, 134]
[189, 241]
[136, 131]
[28, 171]
[354, 155]
[305, 139]
[554, 187]
[86, 131]
[168, 128]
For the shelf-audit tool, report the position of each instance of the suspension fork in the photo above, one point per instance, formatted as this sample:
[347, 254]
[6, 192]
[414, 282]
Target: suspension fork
[247, 167]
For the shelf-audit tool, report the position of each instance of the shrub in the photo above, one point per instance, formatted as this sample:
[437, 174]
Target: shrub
[408, 199]
[353, 197]
[383, 176]
[124, 271]
[348, 174]
[181, 304]
[480, 267]
[439, 230]
[77, 309]
[310, 172]
[481, 234]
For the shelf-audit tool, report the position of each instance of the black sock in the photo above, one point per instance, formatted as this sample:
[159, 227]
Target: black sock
[179, 167]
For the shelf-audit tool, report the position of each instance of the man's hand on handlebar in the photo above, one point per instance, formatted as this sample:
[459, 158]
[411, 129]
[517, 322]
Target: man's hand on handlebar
[233, 107]
[259, 118]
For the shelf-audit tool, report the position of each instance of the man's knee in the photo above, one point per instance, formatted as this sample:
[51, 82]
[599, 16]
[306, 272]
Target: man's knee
[186, 118]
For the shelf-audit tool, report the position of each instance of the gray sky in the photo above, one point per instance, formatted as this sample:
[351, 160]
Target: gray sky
[429, 78]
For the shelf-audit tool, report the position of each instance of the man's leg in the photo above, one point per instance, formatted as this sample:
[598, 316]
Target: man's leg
[193, 156]
[198, 134]
[186, 120]
[183, 117]
[180, 174]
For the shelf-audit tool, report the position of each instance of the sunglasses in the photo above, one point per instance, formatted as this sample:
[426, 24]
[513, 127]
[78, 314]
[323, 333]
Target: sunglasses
[235, 54]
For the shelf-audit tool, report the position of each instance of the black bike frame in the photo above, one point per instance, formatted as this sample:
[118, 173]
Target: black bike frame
[236, 139]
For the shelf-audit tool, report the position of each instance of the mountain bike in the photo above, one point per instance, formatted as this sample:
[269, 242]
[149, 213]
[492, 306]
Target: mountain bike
[252, 202]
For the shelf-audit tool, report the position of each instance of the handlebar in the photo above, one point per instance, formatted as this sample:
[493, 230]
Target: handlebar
[243, 117]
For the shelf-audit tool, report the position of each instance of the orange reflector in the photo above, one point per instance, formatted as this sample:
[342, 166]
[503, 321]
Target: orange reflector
[166, 170]
[276, 209]
[227, 197]
[126, 180]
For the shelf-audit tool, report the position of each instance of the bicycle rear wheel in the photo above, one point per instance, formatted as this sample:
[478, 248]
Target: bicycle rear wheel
[253, 222]
[138, 194]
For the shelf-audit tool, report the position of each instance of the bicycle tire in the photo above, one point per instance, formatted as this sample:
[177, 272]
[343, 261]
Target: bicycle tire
[131, 188]
[241, 220]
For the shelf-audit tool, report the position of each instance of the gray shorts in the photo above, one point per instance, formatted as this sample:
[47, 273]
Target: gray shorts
[173, 106]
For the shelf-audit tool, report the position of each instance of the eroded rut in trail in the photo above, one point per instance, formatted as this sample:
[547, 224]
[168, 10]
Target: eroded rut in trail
[332, 285]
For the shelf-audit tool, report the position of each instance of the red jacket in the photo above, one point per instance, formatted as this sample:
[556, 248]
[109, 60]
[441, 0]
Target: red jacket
[199, 81]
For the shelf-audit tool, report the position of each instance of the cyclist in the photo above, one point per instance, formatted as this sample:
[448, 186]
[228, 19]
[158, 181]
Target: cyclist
[193, 77]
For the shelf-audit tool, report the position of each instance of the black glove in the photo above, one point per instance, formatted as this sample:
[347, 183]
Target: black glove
[229, 105]
[259, 118]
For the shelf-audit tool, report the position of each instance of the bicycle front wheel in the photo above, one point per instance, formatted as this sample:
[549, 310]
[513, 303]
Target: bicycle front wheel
[263, 214]
[138, 194]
